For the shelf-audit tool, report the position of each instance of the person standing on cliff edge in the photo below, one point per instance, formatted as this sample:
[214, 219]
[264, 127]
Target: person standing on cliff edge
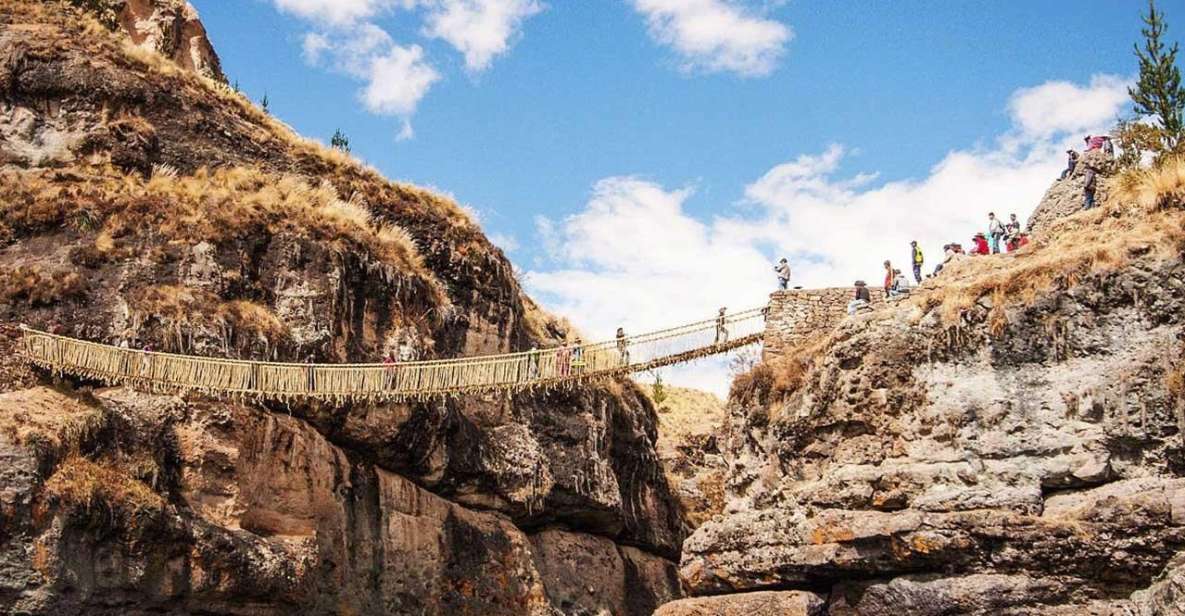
[888, 277]
[917, 259]
[995, 231]
[783, 270]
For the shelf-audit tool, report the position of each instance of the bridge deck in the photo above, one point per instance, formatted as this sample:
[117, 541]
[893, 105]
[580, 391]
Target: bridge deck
[544, 368]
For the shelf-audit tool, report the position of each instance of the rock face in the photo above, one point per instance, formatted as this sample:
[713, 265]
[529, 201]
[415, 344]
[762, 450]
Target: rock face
[1067, 196]
[1033, 466]
[173, 29]
[227, 509]
[689, 449]
[788, 603]
[794, 315]
[144, 204]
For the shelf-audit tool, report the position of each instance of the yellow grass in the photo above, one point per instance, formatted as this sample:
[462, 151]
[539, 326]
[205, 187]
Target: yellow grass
[76, 28]
[182, 309]
[47, 421]
[1086, 243]
[213, 206]
[1159, 187]
[82, 486]
[36, 287]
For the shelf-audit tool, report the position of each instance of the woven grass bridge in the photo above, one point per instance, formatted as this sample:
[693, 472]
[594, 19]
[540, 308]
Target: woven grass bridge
[542, 368]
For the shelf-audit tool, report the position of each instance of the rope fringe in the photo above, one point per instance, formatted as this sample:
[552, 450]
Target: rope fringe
[169, 373]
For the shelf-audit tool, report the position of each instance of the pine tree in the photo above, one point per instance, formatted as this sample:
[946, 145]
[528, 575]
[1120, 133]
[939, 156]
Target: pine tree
[264, 102]
[659, 394]
[1158, 93]
[235, 87]
[340, 141]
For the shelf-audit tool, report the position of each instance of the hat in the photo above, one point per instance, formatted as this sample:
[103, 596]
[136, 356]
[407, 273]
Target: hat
[913, 243]
[980, 234]
[860, 283]
[783, 260]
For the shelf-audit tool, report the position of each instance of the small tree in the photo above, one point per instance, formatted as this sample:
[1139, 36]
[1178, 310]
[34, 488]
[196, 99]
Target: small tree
[263, 103]
[1135, 139]
[659, 393]
[1158, 93]
[340, 141]
[235, 86]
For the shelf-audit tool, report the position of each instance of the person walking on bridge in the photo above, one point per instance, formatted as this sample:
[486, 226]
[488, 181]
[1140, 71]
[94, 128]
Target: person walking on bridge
[623, 346]
[783, 270]
[578, 357]
[917, 259]
[721, 330]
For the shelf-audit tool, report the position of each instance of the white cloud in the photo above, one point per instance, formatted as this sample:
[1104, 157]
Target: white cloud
[397, 80]
[314, 47]
[716, 35]
[1061, 106]
[397, 77]
[479, 29]
[634, 257]
[335, 12]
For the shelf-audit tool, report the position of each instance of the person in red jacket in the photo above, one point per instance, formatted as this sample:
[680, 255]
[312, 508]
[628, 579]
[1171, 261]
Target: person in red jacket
[981, 245]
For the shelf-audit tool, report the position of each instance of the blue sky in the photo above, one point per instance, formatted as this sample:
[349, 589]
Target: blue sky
[696, 136]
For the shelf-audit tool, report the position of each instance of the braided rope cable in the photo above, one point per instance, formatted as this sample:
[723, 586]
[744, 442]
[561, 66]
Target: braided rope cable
[521, 371]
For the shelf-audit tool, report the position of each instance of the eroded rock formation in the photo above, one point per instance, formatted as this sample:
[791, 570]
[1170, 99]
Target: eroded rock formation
[145, 205]
[1025, 459]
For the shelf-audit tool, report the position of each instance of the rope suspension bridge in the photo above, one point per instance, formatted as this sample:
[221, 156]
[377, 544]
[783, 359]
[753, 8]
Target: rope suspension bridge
[401, 381]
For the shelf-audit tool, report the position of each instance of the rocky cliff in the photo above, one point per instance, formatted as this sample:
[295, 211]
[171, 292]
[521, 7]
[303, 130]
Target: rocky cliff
[1009, 441]
[144, 202]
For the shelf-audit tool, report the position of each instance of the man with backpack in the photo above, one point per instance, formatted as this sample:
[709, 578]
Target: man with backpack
[917, 259]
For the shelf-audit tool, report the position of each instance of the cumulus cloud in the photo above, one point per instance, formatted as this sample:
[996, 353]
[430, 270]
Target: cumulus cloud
[397, 80]
[635, 257]
[397, 76]
[336, 12]
[716, 35]
[480, 29]
[1061, 106]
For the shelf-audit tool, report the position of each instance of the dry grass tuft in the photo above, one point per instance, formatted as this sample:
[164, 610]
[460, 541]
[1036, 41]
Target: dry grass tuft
[32, 286]
[47, 421]
[1088, 243]
[1159, 187]
[82, 487]
[213, 206]
[182, 310]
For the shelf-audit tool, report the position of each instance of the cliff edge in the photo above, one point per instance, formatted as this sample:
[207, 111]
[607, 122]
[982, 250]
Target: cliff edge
[144, 202]
[1007, 441]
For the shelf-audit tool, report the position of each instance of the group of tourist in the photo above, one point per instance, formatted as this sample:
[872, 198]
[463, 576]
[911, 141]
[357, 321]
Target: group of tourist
[1000, 235]
[1102, 143]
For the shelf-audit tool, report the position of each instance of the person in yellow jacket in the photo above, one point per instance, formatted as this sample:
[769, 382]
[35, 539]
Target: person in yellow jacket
[917, 259]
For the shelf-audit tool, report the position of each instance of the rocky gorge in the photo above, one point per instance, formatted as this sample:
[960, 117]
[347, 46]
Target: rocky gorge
[144, 202]
[1009, 440]
[986, 447]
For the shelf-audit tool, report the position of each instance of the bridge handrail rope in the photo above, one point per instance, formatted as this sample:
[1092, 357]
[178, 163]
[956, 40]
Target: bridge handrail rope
[546, 367]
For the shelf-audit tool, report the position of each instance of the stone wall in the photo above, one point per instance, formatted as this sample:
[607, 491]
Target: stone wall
[797, 313]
